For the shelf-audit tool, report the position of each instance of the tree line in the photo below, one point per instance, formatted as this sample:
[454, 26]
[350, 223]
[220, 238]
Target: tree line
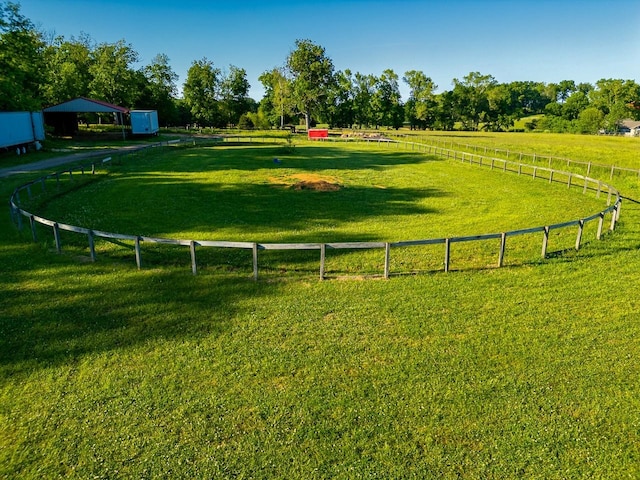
[37, 71]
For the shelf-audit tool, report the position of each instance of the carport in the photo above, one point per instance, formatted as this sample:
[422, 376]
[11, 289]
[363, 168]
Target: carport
[64, 116]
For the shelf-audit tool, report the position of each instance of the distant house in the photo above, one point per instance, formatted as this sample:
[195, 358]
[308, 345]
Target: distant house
[630, 128]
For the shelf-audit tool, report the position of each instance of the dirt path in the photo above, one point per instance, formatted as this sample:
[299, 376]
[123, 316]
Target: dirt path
[57, 161]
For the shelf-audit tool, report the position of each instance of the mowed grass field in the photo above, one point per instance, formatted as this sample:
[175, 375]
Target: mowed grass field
[527, 371]
[329, 193]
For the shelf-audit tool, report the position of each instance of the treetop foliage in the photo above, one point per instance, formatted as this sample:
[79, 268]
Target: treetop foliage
[36, 72]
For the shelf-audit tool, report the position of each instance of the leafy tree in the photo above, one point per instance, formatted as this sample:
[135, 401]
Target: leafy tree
[388, 109]
[113, 78]
[201, 92]
[277, 104]
[590, 120]
[312, 76]
[234, 94]
[528, 97]
[445, 111]
[363, 92]
[421, 102]
[259, 119]
[339, 109]
[160, 89]
[471, 98]
[245, 123]
[504, 108]
[21, 60]
[574, 105]
[612, 97]
[68, 65]
[565, 90]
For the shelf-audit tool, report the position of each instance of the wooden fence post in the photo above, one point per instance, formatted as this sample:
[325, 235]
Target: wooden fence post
[56, 236]
[612, 227]
[32, 221]
[323, 256]
[19, 218]
[387, 259]
[503, 246]
[600, 225]
[92, 247]
[194, 265]
[447, 254]
[138, 253]
[579, 237]
[545, 242]
[255, 261]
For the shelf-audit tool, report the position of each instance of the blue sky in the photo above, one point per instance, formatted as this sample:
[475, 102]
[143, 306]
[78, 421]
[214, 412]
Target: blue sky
[539, 40]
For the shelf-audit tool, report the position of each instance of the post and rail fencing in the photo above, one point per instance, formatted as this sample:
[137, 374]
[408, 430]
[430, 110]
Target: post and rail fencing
[589, 168]
[586, 183]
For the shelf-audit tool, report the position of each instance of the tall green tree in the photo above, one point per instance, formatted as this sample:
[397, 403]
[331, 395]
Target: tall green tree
[363, 93]
[311, 72]
[421, 103]
[339, 111]
[277, 104]
[201, 90]
[234, 94]
[612, 97]
[21, 60]
[387, 102]
[68, 64]
[160, 85]
[445, 111]
[113, 78]
[472, 98]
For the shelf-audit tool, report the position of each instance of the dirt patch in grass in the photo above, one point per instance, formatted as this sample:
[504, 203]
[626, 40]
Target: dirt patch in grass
[309, 181]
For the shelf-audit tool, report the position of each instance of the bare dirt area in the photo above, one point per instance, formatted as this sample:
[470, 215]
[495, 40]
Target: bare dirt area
[309, 181]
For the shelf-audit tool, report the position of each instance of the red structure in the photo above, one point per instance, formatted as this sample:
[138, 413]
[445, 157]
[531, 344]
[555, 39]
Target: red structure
[316, 133]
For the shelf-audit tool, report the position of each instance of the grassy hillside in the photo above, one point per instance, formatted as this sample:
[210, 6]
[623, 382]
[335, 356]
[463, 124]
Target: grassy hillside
[527, 371]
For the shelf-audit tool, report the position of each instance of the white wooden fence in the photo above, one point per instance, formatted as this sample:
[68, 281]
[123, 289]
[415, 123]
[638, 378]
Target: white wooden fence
[587, 184]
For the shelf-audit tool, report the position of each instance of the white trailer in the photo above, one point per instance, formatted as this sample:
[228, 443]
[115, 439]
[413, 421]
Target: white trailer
[144, 122]
[20, 128]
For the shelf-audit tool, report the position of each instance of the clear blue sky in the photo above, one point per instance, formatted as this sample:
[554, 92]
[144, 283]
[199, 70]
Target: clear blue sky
[539, 40]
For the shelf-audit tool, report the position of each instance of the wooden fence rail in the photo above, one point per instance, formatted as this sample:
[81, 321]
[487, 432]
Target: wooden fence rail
[536, 172]
[523, 157]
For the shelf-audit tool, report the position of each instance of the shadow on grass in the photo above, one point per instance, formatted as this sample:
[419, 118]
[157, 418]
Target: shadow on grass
[54, 313]
[309, 158]
[163, 202]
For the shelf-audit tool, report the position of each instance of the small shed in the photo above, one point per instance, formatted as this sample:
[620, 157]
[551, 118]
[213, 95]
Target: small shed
[64, 116]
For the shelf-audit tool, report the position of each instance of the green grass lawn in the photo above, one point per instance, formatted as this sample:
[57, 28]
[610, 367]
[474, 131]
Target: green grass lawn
[375, 194]
[607, 150]
[522, 372]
